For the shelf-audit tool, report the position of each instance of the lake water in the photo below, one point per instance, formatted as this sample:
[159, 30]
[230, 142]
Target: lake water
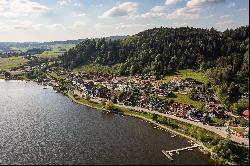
[40, 126]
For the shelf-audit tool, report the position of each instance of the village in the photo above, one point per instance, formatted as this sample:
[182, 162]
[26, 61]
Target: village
[145, 93]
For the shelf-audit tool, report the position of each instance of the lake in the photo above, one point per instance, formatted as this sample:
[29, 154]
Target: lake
[40, 126]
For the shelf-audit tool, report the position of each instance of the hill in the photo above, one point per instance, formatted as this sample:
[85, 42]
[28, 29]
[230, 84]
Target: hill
[161, 51]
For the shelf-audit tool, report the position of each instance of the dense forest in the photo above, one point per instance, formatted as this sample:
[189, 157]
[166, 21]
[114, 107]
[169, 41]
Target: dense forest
[224, 56]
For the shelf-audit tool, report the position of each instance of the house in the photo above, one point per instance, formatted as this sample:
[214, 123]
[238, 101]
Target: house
[211, 115]
[213, 105]
[244, 95]
[177, 80]
[144, 101]
[246, 114]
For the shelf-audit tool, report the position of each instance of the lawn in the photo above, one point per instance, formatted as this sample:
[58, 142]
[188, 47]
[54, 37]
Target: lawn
[185, 100]
[217, 121]
[20, 49]
[93, 68]
[8, 63]
[238, 129]
[187, 73]
[49, 54]
[57, 76]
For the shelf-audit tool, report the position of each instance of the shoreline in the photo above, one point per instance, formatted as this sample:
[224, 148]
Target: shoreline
[204, 149]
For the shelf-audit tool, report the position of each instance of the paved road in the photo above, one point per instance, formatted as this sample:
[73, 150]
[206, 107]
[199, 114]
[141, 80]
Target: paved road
[222, 131]
[218, 130]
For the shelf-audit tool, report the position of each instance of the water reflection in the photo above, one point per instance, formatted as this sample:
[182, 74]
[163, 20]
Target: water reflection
[40, 126]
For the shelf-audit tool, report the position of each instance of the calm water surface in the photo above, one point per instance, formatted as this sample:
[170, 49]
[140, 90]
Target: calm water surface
[40, 126]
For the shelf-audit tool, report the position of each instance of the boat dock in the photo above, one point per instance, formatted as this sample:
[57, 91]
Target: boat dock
[170, 152]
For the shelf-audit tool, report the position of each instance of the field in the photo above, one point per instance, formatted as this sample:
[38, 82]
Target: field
[187, 73]
[62, 47]
[185, 100]
[23, 49]
[8, 63]
[57, 50]
[49, 54]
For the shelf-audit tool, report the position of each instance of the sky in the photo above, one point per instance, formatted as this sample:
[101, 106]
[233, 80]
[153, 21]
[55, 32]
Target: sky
[53, 20]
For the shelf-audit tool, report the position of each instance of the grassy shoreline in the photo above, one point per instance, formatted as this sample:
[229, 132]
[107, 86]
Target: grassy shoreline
[147, 119]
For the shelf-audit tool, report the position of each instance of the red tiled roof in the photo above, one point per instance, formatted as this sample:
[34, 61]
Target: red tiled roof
[246, 113]
[177, 79]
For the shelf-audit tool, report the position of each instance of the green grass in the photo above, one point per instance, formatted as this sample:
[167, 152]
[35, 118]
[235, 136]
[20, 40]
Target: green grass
[57, 76]
[21, 49]
[217, 121]
[93, 68]
[187, 73]
[185, 100]
[83, 101]
[8, 63]
[239, 129]
[62, 47]
[49, 54]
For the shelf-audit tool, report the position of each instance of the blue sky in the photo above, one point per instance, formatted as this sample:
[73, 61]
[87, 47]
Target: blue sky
[49, 20]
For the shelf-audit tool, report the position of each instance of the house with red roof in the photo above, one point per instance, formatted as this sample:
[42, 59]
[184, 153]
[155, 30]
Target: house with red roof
[246, 114]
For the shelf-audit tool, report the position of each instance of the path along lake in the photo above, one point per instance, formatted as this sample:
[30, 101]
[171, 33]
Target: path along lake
[40, 126]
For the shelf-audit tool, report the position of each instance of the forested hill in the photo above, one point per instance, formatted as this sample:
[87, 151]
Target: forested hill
[158, 51]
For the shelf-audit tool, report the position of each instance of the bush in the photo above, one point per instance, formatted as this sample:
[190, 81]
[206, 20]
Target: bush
[110, 105]
[153, 116]
[87, 97]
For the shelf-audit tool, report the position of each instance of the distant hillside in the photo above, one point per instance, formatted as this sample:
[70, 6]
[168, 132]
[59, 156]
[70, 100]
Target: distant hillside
[12, 47]
[159, 51]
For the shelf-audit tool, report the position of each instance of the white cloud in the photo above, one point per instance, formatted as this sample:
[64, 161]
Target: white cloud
[121, 9]
[231, 5]
[155, 12]
[171, 2]
[99, 5]
[222, 25]
[13, 8]
[224, 16]
[225, 24]
[242, 10]
[78, 4]
[202, 3]
[192, 9]
[27, 25]
[63, 2]
[177, 24]
[80, 14]
[122, 26]
[101, 26]
[78, 24]
[185, 13]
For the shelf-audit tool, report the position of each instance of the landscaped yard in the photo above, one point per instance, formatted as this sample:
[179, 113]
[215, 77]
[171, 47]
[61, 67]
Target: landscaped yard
[216, 121]
[8, 63]
[185, 100]
[187, 73]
